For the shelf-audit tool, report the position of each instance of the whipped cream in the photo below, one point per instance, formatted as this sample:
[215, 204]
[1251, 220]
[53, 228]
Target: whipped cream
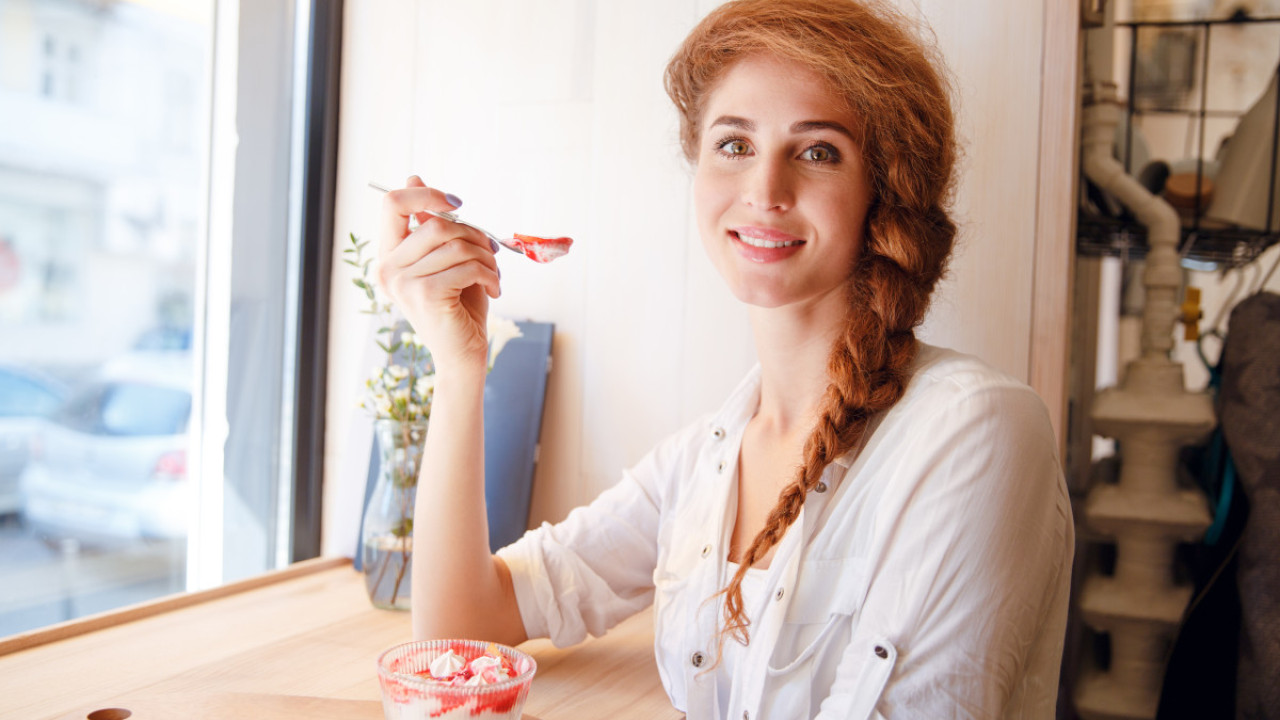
[452, 669]
[447, 665]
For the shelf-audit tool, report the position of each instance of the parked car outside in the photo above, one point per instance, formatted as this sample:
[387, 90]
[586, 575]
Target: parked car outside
[111, 463]
[26, 398]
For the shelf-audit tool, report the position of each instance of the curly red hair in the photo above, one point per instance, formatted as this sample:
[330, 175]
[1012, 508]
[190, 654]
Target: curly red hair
[892, 83]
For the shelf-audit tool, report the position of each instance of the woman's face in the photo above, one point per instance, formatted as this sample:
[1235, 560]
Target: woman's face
[780, 188]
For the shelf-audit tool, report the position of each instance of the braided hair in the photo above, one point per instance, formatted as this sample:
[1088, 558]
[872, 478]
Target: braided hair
[892, 83]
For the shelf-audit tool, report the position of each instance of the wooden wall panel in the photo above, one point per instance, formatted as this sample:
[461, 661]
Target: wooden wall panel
[550, 118]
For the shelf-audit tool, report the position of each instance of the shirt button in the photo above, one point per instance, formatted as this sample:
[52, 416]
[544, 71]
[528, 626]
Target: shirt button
[820, 487]
[745, 715]
[696, 659]
[718, 433]
[720, 467]
[706, 550]
[778, 595]
[881, 652]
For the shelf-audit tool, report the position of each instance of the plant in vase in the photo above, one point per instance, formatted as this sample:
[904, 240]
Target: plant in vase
[398, 393]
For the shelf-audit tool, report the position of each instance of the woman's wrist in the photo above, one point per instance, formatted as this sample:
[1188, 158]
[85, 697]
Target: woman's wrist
[460, 374]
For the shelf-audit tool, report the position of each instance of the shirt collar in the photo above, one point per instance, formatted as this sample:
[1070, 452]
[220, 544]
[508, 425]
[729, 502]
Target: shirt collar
[741, 406]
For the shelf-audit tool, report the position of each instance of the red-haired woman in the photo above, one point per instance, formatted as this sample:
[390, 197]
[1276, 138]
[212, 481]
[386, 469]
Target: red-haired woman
[869, 526]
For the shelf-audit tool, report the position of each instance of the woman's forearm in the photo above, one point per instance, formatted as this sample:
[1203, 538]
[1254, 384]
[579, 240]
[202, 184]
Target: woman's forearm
[459, 589]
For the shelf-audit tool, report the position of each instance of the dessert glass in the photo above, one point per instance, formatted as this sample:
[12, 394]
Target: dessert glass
[407, 695]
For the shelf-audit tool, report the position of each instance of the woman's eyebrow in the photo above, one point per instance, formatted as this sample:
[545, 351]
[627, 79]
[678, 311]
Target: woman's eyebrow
[812, 125]
[804, 126]
[734, 121]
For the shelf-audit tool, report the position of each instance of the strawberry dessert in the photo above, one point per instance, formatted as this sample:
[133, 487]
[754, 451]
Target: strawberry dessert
[451, 679]
[542, 249]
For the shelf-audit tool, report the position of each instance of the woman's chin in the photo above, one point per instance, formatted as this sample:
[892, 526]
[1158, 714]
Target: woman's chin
[765, 297]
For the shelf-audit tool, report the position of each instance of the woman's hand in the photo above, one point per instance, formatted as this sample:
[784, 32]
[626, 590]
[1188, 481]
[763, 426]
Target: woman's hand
[440, 276]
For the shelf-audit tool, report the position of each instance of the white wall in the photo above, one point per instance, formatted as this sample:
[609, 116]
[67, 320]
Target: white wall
[550, 118]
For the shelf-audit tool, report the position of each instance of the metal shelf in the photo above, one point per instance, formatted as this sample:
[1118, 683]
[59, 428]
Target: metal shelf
[1100, 235]
[1229, 247]
[1236, 19]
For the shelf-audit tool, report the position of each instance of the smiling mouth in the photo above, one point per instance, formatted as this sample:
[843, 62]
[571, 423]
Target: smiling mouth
[760, 242]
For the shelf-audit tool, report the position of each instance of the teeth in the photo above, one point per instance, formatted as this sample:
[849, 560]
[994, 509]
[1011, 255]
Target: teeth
[762, 243]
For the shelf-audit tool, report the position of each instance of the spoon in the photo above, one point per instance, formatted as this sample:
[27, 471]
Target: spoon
[509, 244]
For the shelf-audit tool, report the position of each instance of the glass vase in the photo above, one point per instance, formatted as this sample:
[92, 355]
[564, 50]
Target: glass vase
[386, 542]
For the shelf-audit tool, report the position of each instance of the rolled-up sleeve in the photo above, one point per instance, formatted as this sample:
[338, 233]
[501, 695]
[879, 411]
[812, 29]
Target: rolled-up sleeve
[595, 568]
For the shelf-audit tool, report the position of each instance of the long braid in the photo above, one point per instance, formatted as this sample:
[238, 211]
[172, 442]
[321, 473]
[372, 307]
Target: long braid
[869, 367]
[889, 80]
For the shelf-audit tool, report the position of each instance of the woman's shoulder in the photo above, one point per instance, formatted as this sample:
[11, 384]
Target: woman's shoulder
[951, 387]
[940, 374]
[960, 412]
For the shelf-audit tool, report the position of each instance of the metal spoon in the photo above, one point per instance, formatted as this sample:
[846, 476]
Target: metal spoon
[453, 218]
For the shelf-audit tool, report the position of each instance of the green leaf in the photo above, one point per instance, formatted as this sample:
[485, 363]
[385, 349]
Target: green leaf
[360, 284]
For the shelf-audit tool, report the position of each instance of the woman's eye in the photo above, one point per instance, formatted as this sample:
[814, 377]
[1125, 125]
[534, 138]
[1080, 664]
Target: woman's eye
[818, 153]
[735, 147]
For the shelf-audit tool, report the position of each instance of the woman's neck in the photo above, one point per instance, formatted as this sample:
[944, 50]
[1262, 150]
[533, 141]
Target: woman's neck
[793, 345]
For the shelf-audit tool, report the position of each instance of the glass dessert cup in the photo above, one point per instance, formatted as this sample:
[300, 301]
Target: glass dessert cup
[408, 694]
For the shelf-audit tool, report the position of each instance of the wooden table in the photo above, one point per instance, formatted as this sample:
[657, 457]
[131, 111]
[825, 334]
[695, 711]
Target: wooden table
[300, 644]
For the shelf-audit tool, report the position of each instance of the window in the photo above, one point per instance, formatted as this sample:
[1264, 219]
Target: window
[158, 220]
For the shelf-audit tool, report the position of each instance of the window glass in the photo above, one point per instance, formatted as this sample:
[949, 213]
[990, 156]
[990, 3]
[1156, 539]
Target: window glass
[145, 410]
[22, 396]
[105, 186]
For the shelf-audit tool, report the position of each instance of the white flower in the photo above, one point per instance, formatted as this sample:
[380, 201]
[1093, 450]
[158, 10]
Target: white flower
[425, 385]
[400, 396]
[397, 372]
[415, 410]
[382, 404]
[500, 331]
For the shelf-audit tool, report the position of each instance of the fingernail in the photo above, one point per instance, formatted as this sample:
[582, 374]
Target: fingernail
[453, 200]
[495, 244]
[499, 269]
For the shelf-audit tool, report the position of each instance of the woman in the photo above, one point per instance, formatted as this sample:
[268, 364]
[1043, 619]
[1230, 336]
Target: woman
[869, 526]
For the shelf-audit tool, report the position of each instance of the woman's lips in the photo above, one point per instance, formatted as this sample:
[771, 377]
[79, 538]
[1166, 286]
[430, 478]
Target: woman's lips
[764, 245]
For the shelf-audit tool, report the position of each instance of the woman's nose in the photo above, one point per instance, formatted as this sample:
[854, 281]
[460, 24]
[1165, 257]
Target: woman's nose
[767, 185]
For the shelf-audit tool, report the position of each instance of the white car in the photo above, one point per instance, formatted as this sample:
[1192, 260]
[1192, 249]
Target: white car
[26, 397]
[111, 464]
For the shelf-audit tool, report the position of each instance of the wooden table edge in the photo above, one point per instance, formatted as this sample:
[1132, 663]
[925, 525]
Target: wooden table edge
[168, 603]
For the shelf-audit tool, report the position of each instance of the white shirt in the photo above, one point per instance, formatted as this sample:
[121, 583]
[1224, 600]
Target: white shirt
[928, 578]
[754, 596]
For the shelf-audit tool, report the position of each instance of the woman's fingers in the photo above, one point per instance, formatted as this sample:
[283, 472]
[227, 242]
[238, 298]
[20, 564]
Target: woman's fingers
[400, 204]
[424, 253]
[433, 234]
[415, 181]
[453, 280]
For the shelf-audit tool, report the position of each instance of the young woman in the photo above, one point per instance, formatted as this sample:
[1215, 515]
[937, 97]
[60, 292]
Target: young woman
[869, 526]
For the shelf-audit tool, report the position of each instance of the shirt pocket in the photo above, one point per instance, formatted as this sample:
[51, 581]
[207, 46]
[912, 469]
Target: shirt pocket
[816, 629]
